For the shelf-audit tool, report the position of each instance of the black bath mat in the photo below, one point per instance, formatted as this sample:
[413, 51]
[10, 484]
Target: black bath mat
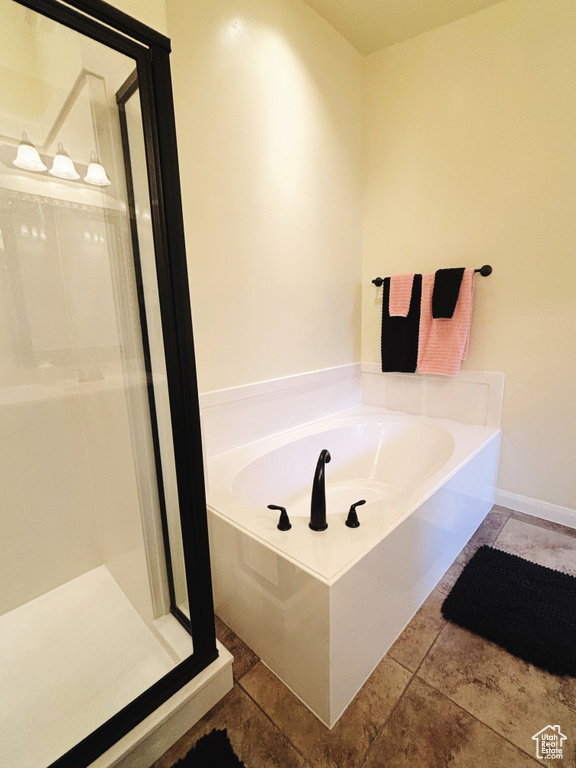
[213, 749]
[525, 608]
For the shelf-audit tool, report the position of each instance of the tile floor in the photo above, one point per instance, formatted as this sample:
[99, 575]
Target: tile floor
[440, 697]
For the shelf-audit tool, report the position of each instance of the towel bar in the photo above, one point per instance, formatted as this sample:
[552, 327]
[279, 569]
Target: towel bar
[484, 271]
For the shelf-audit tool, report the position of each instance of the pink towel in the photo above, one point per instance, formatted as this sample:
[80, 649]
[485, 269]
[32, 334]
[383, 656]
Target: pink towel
[443, 342]
[400, 295]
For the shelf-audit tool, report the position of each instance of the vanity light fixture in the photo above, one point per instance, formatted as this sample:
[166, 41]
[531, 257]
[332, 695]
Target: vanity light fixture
[27, 156]
[62, 166]
[96, 174]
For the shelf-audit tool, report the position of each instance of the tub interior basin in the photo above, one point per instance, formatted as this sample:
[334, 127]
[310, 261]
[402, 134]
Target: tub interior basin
[371, 461]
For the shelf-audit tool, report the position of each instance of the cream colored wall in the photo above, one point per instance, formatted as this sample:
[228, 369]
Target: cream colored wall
[150, 12]
[268, 112]
[470, 158]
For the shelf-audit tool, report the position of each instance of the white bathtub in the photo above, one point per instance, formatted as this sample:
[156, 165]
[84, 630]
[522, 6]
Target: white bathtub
[322, 608]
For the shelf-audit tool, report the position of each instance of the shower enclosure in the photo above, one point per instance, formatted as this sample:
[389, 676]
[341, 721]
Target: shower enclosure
[105, 595]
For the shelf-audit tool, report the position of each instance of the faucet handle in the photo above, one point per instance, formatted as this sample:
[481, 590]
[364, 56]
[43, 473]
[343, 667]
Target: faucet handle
[352, 519]
[284, 523]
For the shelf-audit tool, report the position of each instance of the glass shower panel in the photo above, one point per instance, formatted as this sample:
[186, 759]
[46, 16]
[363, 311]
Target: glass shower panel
[91, 563]
[128, 98]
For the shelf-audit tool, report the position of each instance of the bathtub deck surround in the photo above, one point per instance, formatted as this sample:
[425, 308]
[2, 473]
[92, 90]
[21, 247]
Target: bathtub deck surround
[394, 461]
[322, 608]
[471, 397]
[240, 415]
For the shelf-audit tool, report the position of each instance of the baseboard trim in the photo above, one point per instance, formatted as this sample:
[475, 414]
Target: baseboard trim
[543, 509]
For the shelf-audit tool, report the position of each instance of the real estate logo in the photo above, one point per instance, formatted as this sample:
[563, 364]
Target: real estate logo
[549, 743]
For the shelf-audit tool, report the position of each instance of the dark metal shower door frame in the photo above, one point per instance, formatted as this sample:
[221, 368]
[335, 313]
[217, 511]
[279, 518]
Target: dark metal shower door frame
[150, 50]
[128, 89]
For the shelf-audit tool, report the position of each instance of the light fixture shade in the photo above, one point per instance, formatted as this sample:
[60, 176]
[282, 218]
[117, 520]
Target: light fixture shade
[63, 167]
[27, 157]
[96, 174]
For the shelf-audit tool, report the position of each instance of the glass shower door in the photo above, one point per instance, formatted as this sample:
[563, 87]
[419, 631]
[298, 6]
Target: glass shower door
[104, 587]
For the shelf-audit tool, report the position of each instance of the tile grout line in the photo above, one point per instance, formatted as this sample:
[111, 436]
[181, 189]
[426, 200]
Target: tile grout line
[385, 723]
[478, 720]
[238, 682]
[377, 733]
[268, 717]
[400, 664]
[442, 693]
[432, 644]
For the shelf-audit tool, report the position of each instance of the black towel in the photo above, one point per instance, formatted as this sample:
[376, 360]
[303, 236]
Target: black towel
[446, 290]
[400, 334]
